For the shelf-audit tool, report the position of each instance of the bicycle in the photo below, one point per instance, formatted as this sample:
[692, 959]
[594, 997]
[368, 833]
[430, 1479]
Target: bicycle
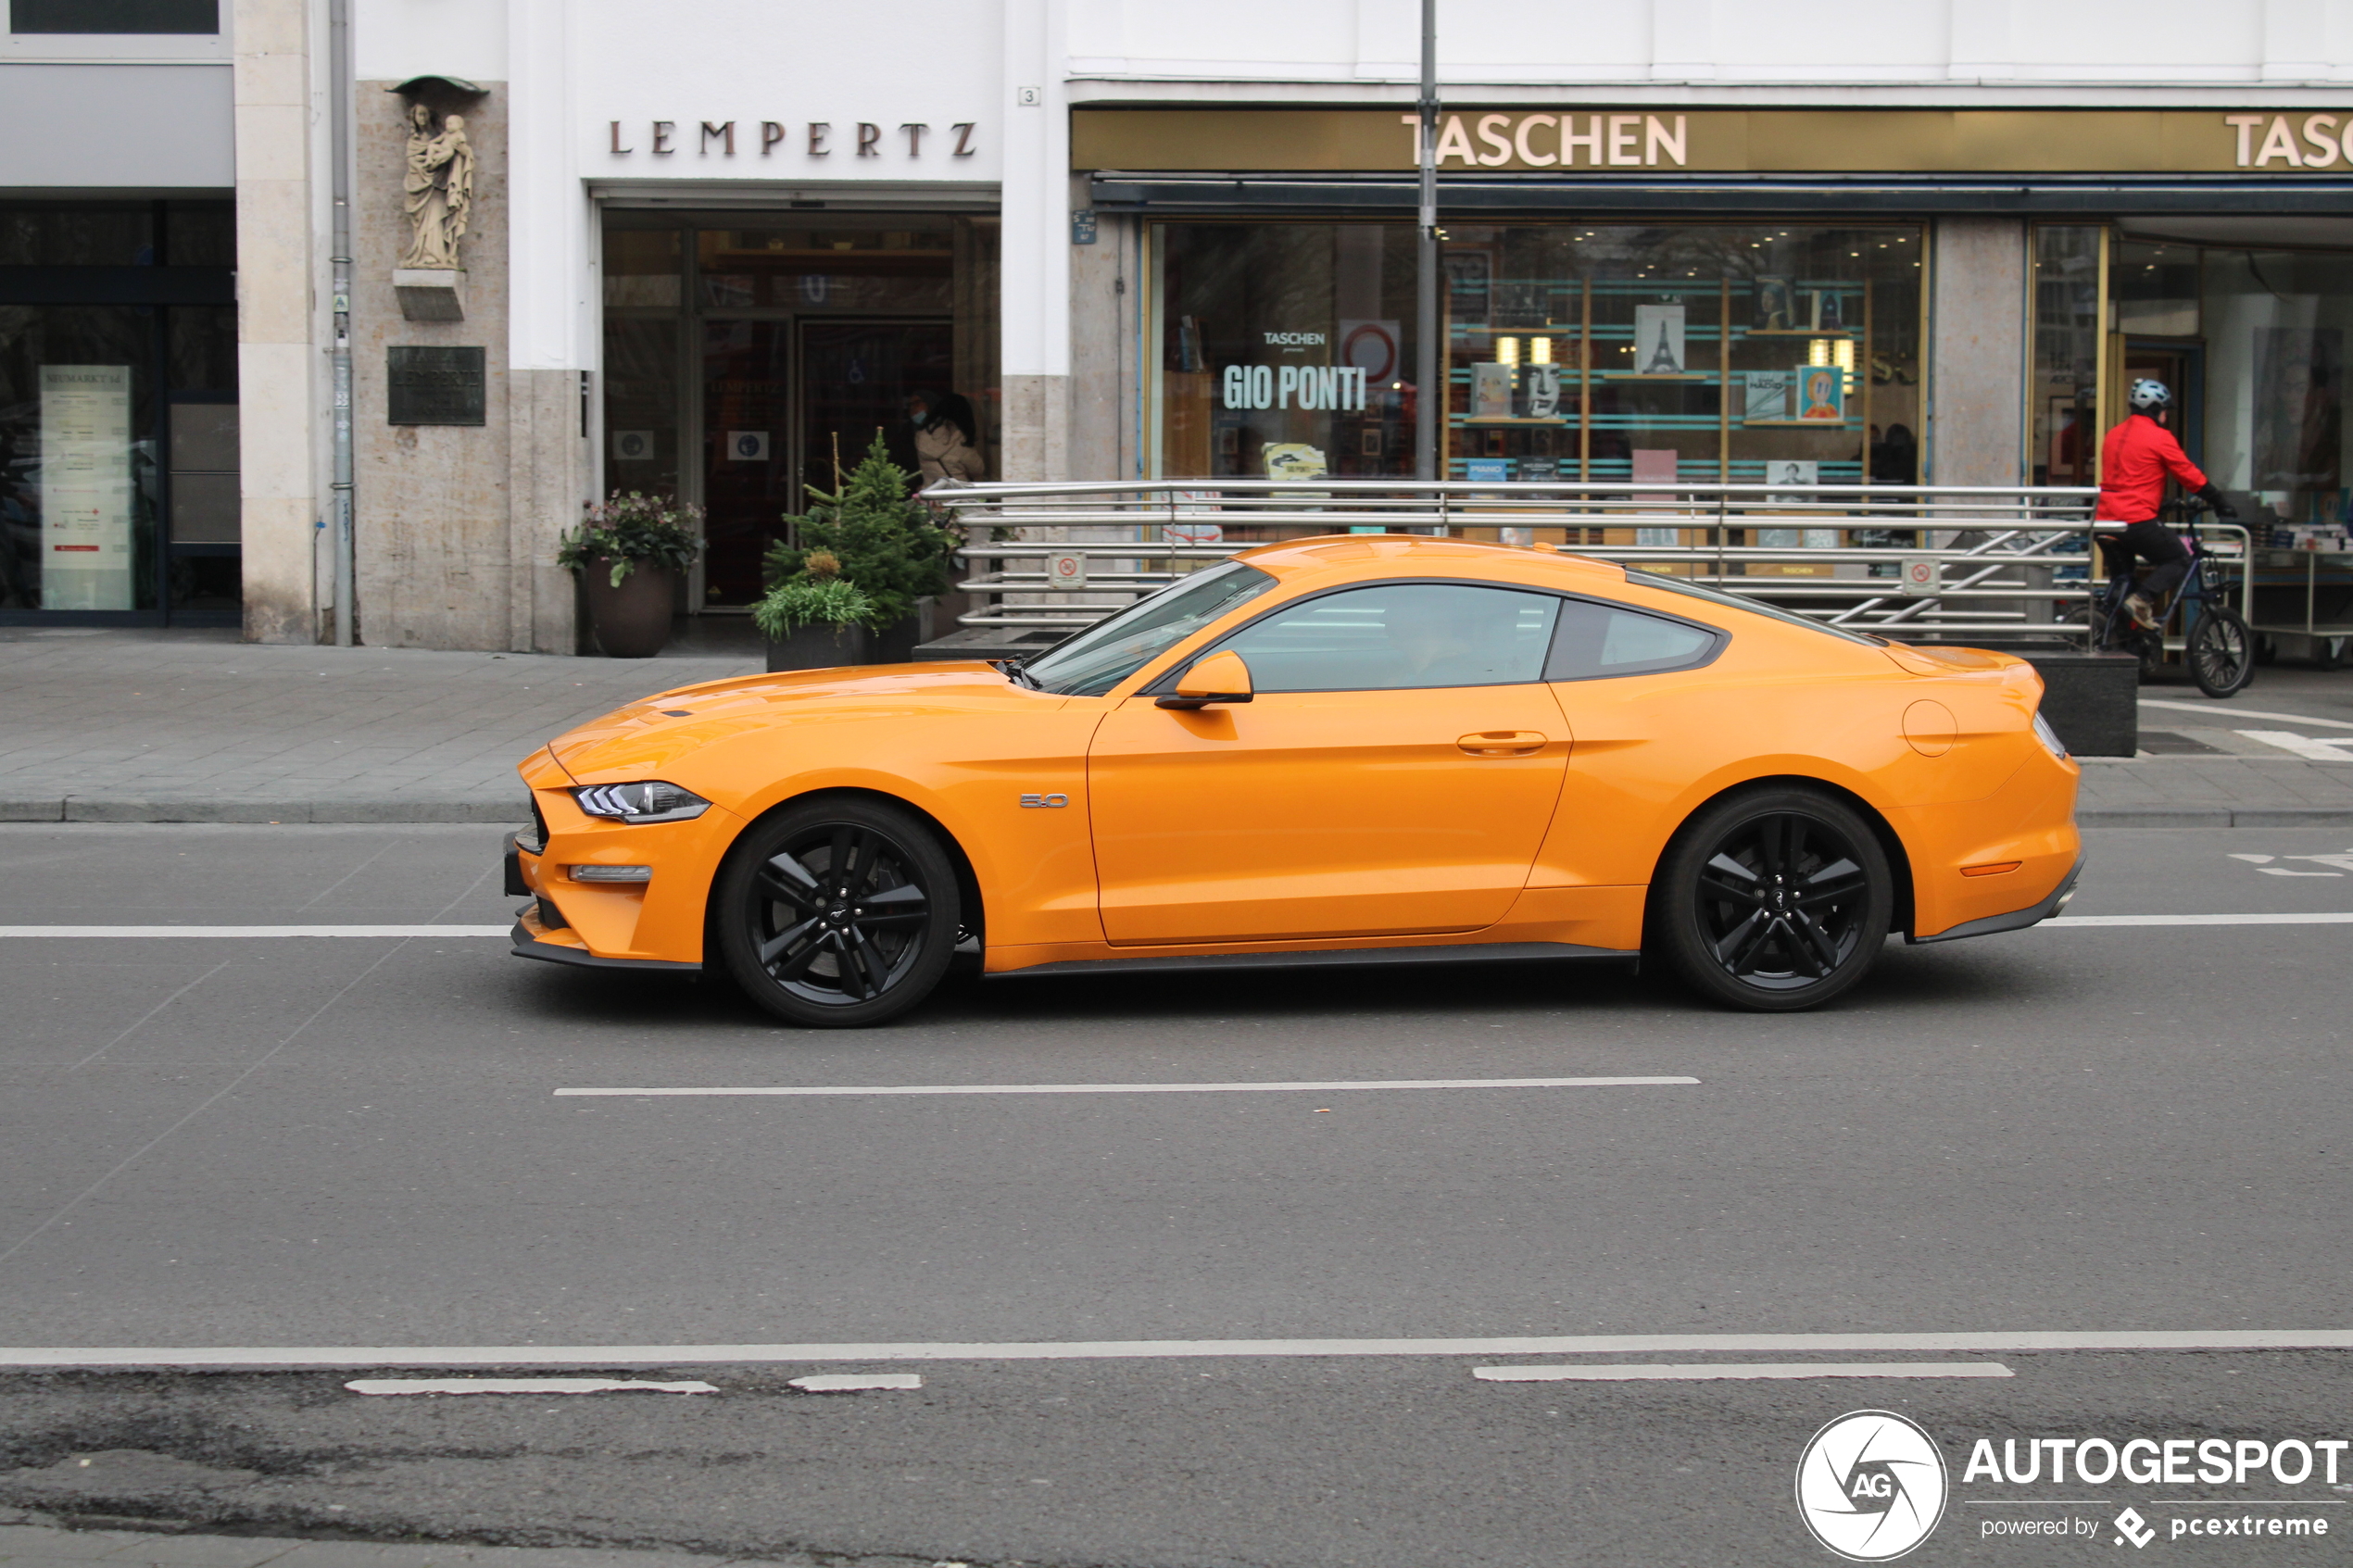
[2217, 645]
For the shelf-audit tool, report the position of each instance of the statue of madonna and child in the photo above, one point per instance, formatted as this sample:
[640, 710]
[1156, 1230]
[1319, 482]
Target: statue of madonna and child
[439, 188]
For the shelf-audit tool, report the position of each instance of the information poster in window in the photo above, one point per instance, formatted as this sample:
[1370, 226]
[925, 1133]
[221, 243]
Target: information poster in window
[85, 487]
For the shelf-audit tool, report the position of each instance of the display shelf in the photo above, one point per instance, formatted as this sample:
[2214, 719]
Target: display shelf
[1647, 375]
[1797, 424]
[1791, 331]
[1515, 423]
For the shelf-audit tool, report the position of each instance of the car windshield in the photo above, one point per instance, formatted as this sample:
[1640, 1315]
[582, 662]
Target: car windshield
[1715, 595]
[1110, 651]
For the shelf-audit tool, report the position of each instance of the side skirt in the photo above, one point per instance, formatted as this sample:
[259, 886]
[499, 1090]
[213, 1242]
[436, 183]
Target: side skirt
[1325, 958]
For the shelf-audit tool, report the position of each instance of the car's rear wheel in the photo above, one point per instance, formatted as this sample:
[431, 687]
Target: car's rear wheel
[1774, 900]
[837, 914]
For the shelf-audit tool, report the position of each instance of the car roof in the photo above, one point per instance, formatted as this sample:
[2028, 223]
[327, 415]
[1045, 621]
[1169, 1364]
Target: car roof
[1387, 554]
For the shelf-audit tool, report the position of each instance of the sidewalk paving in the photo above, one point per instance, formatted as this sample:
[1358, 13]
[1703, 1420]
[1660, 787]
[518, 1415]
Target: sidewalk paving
[124, 727]
[170, 727]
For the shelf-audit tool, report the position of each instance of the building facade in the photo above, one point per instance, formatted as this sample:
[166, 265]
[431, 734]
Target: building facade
[712, 252]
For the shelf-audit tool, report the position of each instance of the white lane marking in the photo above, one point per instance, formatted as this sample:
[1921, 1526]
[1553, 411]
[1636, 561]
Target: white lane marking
[851, 1381]
[521, 1385]
[1148, 1349]
[2283, 871]
[2315, 919]
[2253, 860]
[1705, 1371]
[1148, 1088]
[145, 931]
[2312, 746]
[2236, 711]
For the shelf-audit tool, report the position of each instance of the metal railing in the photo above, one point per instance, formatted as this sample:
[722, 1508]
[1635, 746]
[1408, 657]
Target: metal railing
[1920, 561]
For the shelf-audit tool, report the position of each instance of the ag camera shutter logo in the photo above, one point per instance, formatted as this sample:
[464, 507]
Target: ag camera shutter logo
[1871, 1486]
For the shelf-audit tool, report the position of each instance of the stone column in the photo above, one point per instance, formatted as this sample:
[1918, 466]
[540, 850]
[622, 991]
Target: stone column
[430, 540]
[281, 300]
[1977, 363]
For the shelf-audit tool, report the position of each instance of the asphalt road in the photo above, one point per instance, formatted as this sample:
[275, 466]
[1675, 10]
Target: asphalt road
[308, 1143]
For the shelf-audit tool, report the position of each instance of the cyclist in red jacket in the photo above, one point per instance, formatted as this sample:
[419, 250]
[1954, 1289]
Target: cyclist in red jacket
[2134, 462]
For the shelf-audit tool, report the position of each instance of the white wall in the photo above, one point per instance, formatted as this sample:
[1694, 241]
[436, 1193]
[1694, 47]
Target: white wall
[1841, 43]
[394, 39]
[925, 62]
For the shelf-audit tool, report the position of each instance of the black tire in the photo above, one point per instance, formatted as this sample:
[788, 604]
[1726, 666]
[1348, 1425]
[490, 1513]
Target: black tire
[2220, 653]
[838, 913]
[1742, 938]
[2328, 653]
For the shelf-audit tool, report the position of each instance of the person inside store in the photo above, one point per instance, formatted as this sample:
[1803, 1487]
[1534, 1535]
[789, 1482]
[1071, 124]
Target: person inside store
[2136, 459]
[947, 437]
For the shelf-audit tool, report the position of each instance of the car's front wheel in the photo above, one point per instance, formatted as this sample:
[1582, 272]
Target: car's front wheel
[1774, 899]
[836, 914]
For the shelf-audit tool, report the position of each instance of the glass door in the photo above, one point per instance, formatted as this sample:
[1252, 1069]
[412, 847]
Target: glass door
[747, 386]
[855, 378]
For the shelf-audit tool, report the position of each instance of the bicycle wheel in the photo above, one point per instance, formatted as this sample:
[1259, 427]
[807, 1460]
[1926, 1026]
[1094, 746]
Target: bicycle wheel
[2221, 652]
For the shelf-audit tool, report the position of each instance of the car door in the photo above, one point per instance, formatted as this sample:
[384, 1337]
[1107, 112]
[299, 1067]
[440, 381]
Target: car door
[1393, 773]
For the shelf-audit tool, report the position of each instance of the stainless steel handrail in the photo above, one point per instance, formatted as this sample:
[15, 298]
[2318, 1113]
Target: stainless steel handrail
[2013, 543]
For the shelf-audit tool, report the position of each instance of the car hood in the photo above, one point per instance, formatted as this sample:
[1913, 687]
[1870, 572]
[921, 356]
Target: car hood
[649, 736]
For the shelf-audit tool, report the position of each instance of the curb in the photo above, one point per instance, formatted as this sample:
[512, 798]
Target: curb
[2217, 817]
[82, 808]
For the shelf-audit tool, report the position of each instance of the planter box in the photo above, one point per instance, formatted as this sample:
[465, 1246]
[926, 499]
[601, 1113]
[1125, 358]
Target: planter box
[820, 648]
[2091, 700]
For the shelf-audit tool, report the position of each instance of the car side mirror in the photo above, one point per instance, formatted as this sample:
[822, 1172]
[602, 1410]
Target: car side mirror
[1222, 677]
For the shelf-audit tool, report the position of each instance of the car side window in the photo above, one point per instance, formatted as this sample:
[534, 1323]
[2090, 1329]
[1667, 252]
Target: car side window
[1596, 641]
[1399, 637]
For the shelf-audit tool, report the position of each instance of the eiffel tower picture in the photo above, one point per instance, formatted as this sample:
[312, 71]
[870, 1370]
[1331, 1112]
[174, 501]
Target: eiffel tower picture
[1658, 340]
[1662, 361]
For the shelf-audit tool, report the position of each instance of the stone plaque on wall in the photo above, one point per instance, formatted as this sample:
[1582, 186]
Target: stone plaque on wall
[434, 386]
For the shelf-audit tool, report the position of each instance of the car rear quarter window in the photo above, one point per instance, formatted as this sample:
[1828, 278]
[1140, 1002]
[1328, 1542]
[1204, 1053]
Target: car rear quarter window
[1596, 641]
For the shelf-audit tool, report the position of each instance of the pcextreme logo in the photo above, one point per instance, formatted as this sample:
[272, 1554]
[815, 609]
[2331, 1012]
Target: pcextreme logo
[1871, 1486]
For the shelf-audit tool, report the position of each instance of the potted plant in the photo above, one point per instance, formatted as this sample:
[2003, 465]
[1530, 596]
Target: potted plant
[628, 553]
[814, 619]
[880, 543]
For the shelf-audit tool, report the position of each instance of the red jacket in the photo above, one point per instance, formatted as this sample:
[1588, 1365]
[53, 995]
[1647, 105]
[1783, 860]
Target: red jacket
[2134, 460]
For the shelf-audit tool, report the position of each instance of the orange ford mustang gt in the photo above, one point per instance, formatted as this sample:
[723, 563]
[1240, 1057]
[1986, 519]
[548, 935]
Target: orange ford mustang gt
[1360, 749]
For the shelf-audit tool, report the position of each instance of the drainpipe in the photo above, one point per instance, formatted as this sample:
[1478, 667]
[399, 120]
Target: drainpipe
[339, 99]
[1430, 398]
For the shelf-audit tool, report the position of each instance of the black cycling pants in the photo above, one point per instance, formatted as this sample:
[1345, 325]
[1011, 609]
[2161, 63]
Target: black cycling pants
[2154, 542]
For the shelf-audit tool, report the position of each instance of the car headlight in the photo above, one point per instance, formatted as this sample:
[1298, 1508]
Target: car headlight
[2050, 737]
[652, 801]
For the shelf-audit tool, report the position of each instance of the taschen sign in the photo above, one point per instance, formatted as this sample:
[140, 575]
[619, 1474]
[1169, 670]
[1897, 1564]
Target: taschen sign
[1602, 140]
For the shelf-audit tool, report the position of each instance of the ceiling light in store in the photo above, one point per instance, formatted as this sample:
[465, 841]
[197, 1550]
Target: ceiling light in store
[1507, 350]
[1540, 351]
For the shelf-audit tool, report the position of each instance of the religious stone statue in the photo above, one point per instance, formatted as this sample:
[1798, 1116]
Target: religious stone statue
[438, 190]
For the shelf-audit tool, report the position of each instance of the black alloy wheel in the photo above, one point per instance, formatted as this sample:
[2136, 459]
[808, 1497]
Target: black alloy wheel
[837, 914]
[2221, 652]
[1774, 900]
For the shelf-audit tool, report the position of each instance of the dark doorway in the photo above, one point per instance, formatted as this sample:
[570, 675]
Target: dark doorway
[855, 377]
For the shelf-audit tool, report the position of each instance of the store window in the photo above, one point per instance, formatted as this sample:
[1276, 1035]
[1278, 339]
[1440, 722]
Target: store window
[1286, 351]
[2277, 324]
[2063, 406]
[1693, 353]
[119, 440]
[114, 16]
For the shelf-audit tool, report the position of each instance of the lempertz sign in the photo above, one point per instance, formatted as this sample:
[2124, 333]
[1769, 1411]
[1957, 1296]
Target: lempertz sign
[2268, 143]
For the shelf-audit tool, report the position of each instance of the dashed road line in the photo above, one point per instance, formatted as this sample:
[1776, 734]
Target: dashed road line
[144, 932]
[2077, 921]
[523, 1386]
[1343, 1086]
[1710, 1371]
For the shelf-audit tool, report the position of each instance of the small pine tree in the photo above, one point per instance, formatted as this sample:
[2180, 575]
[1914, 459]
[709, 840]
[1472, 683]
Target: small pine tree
[882, 542]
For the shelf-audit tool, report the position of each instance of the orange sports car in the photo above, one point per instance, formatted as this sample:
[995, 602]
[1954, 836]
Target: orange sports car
[1363, 750]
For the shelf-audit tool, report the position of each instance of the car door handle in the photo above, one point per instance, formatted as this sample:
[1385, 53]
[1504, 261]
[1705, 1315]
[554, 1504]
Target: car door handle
[1503, 743]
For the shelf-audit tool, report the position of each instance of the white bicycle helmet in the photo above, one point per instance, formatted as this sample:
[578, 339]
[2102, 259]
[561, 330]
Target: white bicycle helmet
[2148, 396]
